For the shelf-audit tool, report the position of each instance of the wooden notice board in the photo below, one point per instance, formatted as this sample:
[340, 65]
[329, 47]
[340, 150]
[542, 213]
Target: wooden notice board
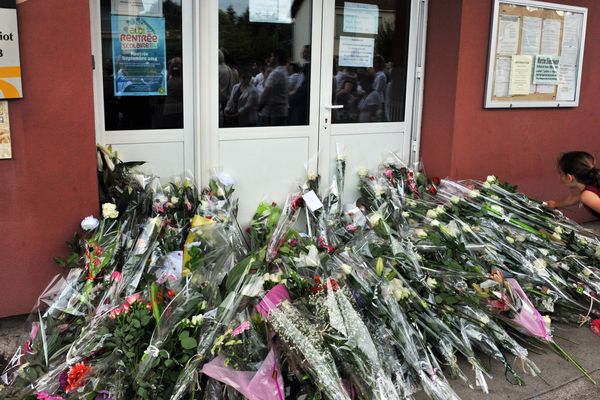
[536, 54]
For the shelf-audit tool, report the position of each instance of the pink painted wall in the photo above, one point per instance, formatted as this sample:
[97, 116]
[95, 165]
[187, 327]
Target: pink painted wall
[461, 139]
[50, 183]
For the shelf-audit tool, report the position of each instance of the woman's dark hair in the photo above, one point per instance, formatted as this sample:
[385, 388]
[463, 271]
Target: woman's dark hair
[581, 165]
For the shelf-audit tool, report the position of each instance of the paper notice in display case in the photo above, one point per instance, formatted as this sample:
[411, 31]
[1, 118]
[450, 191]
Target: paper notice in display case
[502, 77]
[550, 37]
[508, 34]
[146, 8]
[546, 70]
[361, 18]
[356, 52]
[10, 64]
[271, 11]
[5, 144]
[520, 75]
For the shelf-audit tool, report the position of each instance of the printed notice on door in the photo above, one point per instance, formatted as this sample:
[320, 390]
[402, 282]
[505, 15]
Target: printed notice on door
[361, 18]
[356, 51]
[146, 8]
[5, 144]
[139, 56]
[271, 11]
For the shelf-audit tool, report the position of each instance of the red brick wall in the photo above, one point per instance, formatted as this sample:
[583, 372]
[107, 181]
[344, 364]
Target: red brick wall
[50, 183]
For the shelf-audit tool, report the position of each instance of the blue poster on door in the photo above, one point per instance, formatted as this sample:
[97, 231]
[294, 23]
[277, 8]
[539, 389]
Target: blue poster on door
[139, 56]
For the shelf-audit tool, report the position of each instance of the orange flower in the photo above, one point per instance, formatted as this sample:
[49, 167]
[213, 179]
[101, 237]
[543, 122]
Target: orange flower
[76, 376]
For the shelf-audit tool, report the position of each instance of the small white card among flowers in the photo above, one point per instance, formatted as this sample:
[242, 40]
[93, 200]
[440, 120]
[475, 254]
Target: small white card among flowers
[312, 201]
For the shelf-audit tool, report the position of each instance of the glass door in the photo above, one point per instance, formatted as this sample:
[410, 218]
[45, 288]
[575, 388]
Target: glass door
[367, 69]
[283, 82]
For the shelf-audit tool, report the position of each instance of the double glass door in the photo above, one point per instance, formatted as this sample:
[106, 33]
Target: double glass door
[264, 90]
[301, 82]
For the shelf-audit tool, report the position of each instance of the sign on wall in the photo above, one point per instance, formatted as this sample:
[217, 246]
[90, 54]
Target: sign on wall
[550, 38]
[5, 143]
[139, 56]
[10, 65]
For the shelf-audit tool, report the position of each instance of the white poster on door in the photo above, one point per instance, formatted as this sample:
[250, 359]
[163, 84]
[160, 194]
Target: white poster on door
[271, 11]
[361, 18]
[145, 8]
[356, 51]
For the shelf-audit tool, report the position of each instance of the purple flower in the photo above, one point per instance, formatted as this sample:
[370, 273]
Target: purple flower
[63, 380]
[103, 395]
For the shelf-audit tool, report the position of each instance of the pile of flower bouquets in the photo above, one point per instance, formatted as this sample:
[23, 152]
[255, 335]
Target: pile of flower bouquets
[166, 296]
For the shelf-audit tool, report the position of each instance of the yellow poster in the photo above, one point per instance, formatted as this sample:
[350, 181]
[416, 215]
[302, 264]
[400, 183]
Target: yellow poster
[520, 75]
[5, 145]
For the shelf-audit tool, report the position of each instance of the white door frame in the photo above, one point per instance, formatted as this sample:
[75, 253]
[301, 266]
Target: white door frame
[133, 137]
[201, 134]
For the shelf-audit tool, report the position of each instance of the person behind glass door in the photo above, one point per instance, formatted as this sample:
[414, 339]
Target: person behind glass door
[242, 106]
[369, 107]
[226, 82]
[578, 171]
[299, 100]
[347, 96]
[173, 105]
[380, 82]
[274, 99]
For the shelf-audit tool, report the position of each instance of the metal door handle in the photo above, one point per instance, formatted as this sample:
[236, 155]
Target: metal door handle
[334, 107]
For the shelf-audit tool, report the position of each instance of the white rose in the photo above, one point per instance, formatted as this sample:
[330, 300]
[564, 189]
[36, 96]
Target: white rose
[544, 252]
[346, 269]
[412, 203]
[197, 319]
[434, 222]
[431, 282]
[450, 229]
[485, 319]
[421, 233]
[547, 322]
[431, 214]
[375, 218]
[491, 179]
[455, 199]
[497, 209]
[539, 264]
[313, 175]
[363, 172]
[494, 197]
[109, 211]
[439, 209]
[405, 214]
[474, 193]
[89, 223]
[486, 185]
[466, 228]
[510, 240]
[174, 199]
[558, 230]
[556, 236]
[520, 238]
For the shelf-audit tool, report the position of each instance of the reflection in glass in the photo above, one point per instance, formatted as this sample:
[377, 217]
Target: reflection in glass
[370, 55]
[138, 112]
[264, 62]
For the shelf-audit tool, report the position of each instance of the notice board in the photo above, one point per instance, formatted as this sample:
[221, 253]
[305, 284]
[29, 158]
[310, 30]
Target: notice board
[536, 54]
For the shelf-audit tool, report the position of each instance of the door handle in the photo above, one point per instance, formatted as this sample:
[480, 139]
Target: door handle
[334, 107]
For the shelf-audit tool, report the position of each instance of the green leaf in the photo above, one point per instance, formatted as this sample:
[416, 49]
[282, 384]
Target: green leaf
[184, 334]
[188, 343]
[136, 324]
